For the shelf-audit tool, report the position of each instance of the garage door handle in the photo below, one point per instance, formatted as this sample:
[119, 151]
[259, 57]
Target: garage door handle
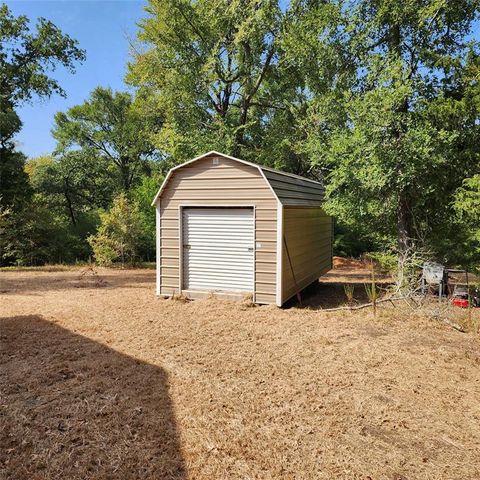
[250, 249]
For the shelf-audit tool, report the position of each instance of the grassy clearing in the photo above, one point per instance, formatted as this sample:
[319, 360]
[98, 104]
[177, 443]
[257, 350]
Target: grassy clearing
[114, 383]
[42, 268]
[66, 268]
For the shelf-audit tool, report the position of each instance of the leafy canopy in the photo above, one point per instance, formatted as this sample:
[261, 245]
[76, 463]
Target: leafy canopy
[467, 206]
[109, 126]
[26, 62]
[213, 68]
[72, 184]
[26, 58]
[393, 116]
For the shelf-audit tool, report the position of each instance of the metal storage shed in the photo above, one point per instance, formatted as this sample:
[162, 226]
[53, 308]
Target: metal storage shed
[232, 227]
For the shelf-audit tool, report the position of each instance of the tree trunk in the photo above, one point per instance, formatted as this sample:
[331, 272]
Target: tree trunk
[70, 211]
[404, 217]
[69, 203]
[239, 135]
[404, 225]
[125, 173]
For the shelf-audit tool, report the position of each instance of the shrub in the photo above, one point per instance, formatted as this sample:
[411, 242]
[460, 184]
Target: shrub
[120, 235]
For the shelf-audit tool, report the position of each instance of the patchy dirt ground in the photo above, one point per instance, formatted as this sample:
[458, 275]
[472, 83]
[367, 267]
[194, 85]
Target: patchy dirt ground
[101, 380]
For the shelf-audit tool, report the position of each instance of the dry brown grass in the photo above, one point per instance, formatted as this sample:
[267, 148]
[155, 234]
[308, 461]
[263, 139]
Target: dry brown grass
[113, 383]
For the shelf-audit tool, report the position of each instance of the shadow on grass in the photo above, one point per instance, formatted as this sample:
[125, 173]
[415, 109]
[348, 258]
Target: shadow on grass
[329, 291]
[75, 409]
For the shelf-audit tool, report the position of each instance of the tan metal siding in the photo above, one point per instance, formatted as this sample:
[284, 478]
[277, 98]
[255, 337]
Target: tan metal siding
[231, 183]
[295, 191]
[308, 236]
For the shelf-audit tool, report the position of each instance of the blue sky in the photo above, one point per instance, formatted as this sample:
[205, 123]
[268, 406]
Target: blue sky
[102, 28]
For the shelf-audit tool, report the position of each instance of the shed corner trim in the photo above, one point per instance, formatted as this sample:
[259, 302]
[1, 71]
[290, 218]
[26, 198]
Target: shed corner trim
[279, 256]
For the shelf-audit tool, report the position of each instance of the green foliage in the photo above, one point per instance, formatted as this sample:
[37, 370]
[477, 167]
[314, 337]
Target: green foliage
[142, 196]
[38, 228]
[371, 291]
[467, 207]
[378, 98]
[10, 124]
[72, 187]
[4, 224]
[25, 61]
[32, 233]
[15, 189]
[351, 241]
[73, 184]
[103, 148]
[213, 69]
[26, 57]
[385, 260]
[119, 236]
[393, 115]
[109, 128]
[467, 202]
[35, 236]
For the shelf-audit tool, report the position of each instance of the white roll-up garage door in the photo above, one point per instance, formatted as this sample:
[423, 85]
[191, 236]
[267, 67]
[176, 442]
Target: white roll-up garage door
[218, 249]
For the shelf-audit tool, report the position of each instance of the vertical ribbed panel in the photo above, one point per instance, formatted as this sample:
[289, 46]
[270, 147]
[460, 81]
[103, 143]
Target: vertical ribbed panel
[218, 249]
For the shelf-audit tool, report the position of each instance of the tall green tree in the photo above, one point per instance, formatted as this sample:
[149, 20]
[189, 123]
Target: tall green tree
[26, 61]
[108, 126]
[213, 68]
[393, 119]
[72, 184]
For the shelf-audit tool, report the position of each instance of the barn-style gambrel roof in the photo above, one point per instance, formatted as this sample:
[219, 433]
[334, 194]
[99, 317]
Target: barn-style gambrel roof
[288, 188]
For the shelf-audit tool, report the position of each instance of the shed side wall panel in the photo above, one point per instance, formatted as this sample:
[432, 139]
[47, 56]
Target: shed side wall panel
[219, 181]
[308, 236]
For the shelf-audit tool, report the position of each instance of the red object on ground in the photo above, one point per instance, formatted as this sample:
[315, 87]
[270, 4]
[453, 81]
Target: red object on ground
[460, 302]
